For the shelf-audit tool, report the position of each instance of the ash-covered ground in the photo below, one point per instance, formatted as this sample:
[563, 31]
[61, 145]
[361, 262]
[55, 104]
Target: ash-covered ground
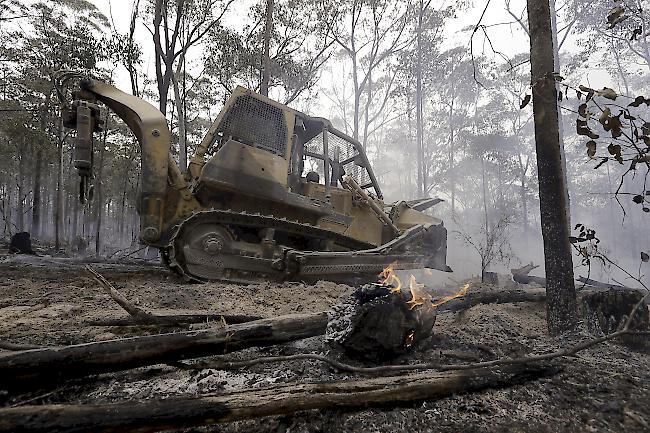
[47, 301]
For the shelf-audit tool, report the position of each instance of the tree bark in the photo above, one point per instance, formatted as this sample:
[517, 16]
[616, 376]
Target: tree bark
[51, 365]
[184, 412]
[266, 57]
[561, 304]
[20, 202]
[418, 106]
[36, 202]
[58, 219]
[179, 101]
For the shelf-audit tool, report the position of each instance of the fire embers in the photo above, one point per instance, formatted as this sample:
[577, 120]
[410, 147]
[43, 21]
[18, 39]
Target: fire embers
[386, 319]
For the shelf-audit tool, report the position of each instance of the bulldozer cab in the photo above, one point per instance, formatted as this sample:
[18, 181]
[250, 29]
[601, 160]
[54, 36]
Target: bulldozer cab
[322, 154]
[260, 147]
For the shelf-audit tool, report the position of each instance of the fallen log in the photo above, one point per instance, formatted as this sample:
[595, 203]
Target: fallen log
[520, 275]
[45, 366]
[177, 413]
[494, 297]
[601, 285]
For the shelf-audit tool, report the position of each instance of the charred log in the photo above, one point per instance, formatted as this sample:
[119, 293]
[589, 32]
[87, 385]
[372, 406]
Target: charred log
[493, 297]
[45, 366]
[601, 285]
[175, 413]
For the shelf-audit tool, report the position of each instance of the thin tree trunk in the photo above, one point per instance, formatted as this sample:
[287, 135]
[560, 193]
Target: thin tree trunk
[452, 179]
[75, 221]
[561, 305]
[99, 205]
[36, 203]
[522, 192]
[266, 59]
[418, 106]
[58, 218]
[180, 112]
[485, 216]
[20, 201]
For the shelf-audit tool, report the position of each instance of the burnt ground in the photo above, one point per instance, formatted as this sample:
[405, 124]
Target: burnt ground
[47, 301]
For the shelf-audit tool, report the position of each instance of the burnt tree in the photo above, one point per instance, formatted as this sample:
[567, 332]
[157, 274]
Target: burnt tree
[561, 306]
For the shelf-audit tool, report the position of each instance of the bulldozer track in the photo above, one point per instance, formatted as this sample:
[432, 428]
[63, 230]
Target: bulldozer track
[173, 256]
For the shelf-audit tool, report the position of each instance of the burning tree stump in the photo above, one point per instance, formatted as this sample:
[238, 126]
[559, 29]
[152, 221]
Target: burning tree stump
[607, 311]
[379, 322]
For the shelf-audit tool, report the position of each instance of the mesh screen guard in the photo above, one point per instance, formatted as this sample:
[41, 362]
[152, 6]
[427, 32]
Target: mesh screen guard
[256, 123]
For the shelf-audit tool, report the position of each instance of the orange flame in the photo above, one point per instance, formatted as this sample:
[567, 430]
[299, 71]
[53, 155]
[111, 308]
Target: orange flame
[418, 295]
[390, 278]
[444, 299]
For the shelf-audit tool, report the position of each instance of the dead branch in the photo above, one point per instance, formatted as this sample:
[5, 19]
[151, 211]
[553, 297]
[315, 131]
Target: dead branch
[42, 367]
[176, 320]
[6, 345]
[174, 413]
[142, 317]
[134, 311]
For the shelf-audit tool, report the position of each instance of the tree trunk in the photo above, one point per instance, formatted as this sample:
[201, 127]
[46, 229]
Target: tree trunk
[486, 221]
[58, 218]
[20, 200]
[418, 107]
[556, 68]
[452, 180]
[75, 222]
[184, 412]
[180, 112]
[561, 304]
[522, 193]
[99, 205]
[266, 59]
[50, 365]
[36, 203]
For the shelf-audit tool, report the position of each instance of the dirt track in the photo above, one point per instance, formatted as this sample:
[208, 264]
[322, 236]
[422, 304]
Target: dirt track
[47, 302]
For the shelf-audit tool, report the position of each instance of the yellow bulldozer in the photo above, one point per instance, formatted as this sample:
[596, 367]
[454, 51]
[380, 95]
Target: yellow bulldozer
[270, 194]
